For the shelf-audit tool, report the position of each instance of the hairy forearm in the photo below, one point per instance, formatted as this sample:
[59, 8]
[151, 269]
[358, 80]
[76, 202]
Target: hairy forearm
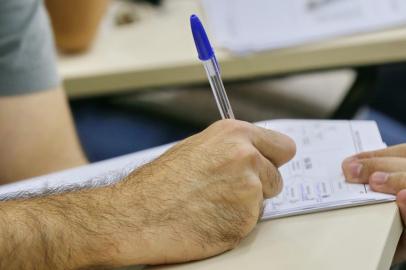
[41, 234]
[71, 231]
[31, 238]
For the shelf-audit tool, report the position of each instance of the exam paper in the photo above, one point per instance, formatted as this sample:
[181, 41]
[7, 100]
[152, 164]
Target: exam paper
[244, 26]
[313, 180]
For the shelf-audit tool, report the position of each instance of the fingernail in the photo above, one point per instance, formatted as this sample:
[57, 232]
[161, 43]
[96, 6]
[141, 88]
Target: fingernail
[350, 159]
[379, 178]
[355, 170]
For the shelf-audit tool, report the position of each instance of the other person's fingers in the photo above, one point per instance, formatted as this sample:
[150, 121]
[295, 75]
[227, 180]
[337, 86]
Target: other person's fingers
[393, 151]
[359, 170]
[401, 201]
[388, 182]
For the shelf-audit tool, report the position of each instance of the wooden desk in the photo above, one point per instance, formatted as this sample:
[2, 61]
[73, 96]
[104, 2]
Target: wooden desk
[158, 51]
[361, 238]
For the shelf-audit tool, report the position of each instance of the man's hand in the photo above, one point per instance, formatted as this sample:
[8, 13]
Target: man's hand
[197, 200]
[206, 193]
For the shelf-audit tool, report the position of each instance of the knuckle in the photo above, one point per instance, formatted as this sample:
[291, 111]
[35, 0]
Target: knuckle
[248, 154]
[252, 182]
[248, 190]
[254, 185]
[219, 124]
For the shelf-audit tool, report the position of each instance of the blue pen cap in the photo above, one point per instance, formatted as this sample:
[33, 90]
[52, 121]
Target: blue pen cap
[204, 49]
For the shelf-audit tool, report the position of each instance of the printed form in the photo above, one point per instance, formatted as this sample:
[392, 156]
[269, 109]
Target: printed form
[313, 180]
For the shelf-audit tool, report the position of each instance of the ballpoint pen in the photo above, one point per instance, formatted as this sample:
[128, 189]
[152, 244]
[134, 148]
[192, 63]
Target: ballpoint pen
[208, 58]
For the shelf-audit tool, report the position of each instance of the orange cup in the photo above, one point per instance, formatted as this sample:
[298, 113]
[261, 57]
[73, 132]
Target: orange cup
[75, 22]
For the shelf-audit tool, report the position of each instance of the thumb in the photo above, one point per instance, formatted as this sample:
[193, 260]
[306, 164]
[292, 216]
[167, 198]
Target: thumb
[276, 147]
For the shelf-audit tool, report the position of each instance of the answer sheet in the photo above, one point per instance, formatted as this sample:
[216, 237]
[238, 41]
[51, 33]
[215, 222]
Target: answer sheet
[313, 180]
[244, 26]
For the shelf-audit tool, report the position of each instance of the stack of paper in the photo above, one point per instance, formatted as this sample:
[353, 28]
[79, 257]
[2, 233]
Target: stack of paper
[244, 26]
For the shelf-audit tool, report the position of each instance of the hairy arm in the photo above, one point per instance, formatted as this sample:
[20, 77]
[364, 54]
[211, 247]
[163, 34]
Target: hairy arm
[197, 200]
[78, 230]
[37, 136]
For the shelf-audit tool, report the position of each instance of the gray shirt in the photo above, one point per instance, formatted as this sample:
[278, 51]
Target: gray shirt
[27, 54]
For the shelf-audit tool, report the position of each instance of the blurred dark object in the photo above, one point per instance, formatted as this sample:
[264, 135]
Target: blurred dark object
[154, 2]
[127, 14]
[393, 132]
[390, 97]
[108, 130]
[387, 106]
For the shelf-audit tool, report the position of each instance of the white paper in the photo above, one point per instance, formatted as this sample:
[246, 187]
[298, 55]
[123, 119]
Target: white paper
[92, 175]
[313, 180]
[243, 26]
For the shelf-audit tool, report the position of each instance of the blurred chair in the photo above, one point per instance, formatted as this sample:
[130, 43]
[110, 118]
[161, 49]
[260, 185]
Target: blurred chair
[314, 95]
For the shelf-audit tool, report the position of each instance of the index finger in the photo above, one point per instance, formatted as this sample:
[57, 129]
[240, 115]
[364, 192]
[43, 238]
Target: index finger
[393, 151]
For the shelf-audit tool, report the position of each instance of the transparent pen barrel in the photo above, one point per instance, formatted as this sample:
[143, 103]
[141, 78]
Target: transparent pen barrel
[217, 87]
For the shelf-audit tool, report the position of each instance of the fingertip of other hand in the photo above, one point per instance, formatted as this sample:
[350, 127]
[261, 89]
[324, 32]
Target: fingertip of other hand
[401, 198]
[352, 170]
[379, 178]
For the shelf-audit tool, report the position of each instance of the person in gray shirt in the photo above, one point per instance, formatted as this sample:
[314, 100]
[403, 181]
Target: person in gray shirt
[197, 200]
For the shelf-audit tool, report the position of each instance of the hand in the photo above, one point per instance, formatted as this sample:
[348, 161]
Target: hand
[197, 200]
[205, 194]
[384, 170]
